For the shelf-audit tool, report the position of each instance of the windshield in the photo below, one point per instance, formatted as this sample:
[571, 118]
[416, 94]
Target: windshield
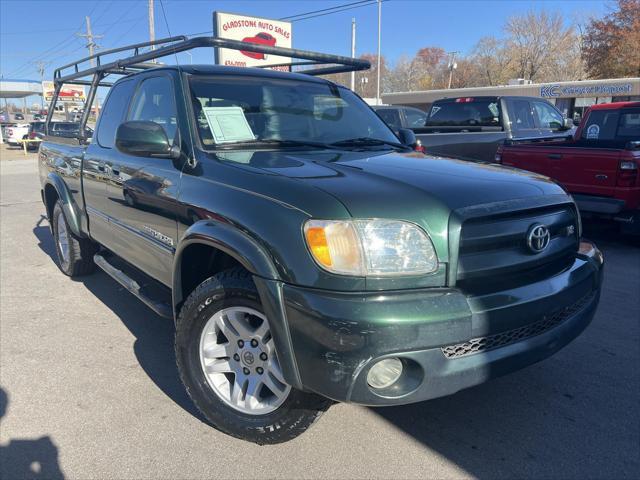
[242, 109]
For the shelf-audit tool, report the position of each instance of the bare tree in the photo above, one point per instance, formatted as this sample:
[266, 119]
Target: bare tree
[536, 42]
[492, 60]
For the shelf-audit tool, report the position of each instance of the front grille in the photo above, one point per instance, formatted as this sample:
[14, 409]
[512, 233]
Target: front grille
[494, 248]
[491, 342]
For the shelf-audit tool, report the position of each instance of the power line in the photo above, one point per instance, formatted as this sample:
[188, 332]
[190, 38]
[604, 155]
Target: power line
[370, 2]
[323, 10]
[57, 45]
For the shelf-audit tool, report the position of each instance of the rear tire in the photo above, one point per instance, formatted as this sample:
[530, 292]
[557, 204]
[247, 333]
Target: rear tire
[275, 412]
[75, 254]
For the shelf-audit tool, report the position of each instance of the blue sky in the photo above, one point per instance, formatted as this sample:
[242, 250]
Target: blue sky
[32, 30]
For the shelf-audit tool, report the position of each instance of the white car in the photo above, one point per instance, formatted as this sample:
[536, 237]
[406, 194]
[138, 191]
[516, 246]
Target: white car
[15, 133]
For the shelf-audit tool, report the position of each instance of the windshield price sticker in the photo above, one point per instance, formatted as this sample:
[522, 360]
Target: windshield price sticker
[228, 124]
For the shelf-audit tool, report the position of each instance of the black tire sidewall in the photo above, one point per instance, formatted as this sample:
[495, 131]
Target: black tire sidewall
[58, 215]
[289, 420]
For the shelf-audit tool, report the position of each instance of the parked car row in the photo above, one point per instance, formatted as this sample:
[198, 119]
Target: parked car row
[472, 128]
[598, 163]
[15, 134]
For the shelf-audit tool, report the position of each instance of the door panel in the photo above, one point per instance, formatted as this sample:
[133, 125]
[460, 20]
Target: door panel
[143, 191]
[143, 206]
[94, 174]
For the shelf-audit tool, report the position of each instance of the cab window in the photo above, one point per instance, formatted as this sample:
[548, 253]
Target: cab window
[391, 117]
[112, 113]
[520, 115]
[154, 102]
[415, 118]
[548, 117]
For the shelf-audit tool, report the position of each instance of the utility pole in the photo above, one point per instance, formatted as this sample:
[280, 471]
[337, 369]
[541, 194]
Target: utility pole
[40, 65]
[91, 45]
[353, 52]
[379, 31]
[152, 27]
[452, 66]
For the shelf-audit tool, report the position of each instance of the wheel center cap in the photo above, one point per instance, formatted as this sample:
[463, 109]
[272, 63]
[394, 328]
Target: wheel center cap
[248, 358]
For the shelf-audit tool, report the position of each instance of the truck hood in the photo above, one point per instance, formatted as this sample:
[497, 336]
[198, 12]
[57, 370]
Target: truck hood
[383, 184]
[366, 181]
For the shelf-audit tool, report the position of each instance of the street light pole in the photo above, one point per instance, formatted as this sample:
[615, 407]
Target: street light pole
[452, 66]
[152, 27]
[379, 31]
[353, 52]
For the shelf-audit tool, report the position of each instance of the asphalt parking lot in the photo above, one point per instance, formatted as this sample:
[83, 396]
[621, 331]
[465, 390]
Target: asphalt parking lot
[89, 387]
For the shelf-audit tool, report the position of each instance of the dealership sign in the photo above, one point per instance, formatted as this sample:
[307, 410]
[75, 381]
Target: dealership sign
[585, 90]
[261, 31]
[68, 93]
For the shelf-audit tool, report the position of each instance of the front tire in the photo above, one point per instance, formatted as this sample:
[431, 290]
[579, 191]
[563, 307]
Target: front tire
[75, 254]
[229, 366]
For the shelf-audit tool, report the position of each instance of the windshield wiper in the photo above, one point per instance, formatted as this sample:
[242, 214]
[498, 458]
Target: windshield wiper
[367, 141]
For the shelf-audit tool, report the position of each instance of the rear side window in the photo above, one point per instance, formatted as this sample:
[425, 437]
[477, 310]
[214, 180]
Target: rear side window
[465, 113]
[601, 125]
[391, 117]
[629, 127]
[113, 112]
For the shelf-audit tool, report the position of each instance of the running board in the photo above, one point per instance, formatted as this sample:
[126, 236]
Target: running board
[160, 307]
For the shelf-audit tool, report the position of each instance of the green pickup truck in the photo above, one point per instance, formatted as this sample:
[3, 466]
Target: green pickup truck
[305, 252]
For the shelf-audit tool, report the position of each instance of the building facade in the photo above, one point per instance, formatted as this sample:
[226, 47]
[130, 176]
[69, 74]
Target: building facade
[572, 98]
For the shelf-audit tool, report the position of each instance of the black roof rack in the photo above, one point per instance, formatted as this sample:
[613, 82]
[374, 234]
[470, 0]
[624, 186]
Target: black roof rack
[138, 61]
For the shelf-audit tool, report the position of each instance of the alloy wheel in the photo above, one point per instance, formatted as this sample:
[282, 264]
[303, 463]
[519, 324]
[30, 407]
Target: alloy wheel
[239, 361]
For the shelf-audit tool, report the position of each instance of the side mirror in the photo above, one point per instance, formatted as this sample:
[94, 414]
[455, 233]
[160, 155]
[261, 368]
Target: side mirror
[567, 124]
[407, 137]
[144, 139]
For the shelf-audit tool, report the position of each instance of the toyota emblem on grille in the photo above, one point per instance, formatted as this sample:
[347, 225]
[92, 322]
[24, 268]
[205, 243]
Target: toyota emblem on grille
[538, 238]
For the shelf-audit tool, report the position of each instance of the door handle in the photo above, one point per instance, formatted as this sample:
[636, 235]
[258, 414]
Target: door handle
[554, 156]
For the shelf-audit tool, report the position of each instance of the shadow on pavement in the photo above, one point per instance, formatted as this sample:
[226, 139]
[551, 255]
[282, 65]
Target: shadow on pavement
[28, 458]
[153, 347]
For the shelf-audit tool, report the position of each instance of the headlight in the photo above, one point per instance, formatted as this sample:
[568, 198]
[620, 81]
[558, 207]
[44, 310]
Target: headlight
[370, 247]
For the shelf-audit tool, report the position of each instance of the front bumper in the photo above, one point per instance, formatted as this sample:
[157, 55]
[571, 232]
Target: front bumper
[447, 340]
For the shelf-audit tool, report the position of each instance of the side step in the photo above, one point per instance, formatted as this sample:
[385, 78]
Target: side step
[150, 296]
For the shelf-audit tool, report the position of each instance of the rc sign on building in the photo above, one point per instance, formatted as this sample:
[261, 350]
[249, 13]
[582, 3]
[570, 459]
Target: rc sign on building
[256, 30]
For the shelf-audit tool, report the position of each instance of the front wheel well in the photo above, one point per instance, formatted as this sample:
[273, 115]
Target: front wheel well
[199, 262]
[50, 198]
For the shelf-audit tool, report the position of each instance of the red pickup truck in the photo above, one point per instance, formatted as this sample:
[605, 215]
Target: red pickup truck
[599, 165]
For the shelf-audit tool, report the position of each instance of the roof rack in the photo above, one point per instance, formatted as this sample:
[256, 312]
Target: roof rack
[138, 61]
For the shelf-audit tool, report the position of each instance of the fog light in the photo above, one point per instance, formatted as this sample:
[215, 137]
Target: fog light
[385, 373]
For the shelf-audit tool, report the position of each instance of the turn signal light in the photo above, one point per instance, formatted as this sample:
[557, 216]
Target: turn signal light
[317, 241]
